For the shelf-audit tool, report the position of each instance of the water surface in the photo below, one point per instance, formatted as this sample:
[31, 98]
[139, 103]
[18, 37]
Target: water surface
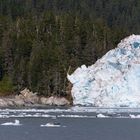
[75, 124]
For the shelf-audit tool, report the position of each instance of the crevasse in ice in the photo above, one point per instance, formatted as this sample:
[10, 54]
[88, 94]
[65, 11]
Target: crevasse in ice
[113, 81]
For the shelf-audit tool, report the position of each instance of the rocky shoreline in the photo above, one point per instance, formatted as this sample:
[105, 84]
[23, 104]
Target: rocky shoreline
[28, 98]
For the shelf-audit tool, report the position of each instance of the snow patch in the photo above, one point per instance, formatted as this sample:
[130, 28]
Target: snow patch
[113, 81]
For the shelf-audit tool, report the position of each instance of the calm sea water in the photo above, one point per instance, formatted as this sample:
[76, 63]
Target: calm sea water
[73, 125]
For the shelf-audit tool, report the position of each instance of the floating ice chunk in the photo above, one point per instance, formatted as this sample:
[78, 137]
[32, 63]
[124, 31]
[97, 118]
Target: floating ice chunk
[50, 125]
[102, 116]
[16, 123]
[75, 116]
[134, 116]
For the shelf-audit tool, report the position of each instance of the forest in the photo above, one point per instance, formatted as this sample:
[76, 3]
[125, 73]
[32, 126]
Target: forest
[43, 40]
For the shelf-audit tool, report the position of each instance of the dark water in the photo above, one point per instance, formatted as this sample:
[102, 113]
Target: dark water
[76, 129]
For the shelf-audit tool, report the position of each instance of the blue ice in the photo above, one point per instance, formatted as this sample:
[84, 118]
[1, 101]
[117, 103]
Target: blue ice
[136, 45]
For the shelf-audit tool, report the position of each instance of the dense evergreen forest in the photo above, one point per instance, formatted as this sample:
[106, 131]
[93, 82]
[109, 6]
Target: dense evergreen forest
[43, 40]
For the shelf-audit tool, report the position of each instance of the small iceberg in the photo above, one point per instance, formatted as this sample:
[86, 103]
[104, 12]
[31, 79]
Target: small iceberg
[16, 123]
[50, 125]
[101, 116]
[134, 116]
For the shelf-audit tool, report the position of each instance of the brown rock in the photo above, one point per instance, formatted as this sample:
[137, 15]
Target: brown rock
[29, 97]
[54, 101]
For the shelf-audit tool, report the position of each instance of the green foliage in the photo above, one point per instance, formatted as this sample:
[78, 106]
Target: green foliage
[41, 39]
[6, 86]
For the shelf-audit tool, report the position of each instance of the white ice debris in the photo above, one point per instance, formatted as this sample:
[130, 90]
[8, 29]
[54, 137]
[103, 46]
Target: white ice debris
[50, 125]
[113, 81]
[75, 116]
[101, 116]
[134, 116]
[16, 123]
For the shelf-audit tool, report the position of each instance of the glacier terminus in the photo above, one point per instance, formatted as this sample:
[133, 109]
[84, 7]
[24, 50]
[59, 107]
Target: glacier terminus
[113, 81]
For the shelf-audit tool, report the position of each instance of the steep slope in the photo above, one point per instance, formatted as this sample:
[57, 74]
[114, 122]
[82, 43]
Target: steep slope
[113, 81]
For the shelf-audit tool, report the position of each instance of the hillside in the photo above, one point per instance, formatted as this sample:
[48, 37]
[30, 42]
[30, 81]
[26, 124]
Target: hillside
[41, 41]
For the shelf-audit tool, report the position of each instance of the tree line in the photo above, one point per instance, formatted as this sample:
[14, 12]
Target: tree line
[43, 40]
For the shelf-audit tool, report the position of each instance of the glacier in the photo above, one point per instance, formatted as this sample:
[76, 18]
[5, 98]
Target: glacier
[113, 81]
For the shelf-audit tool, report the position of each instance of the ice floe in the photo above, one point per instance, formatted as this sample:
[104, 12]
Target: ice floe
[50, 125]
[102, 116]
[16, 123]
[134, 116]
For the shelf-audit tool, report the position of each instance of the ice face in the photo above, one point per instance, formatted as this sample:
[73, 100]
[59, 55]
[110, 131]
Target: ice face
[136, 45]
[113, 81]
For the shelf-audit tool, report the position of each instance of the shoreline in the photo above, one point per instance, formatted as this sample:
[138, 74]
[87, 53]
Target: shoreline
[27, 98]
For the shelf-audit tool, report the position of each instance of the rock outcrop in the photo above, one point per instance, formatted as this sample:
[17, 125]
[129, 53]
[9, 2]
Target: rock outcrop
[28, 98]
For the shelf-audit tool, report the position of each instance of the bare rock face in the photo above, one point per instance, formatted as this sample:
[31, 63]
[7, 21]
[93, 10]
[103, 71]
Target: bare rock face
[3, 103]
[27, 98]
[18, 101]
[60, 101]
[9, 102]
[46, 101]
[54, 101]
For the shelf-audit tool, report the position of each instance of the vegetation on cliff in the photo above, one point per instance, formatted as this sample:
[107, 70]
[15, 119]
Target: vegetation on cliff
[42, 40]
